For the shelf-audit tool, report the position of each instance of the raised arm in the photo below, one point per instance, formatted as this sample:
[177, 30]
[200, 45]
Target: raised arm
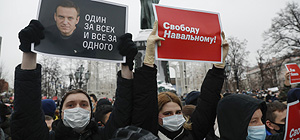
[286, 86]
[287, 79]
[28, 119]
[122, 109]
[145, 106]
[204, 115]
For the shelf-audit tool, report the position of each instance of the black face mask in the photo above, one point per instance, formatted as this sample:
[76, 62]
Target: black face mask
[281, 127]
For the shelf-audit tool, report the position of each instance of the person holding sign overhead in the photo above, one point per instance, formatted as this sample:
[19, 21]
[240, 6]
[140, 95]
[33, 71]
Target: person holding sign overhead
[164, 111]
[28, 121]
[63, 38]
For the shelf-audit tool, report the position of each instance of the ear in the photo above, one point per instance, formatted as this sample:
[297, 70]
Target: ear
[269, 124]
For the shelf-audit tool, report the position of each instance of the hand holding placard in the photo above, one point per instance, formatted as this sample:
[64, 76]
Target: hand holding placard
[127, 48]
[150, 48]
[225, 47]
[32, 33]
[287, 78]
[294, 73]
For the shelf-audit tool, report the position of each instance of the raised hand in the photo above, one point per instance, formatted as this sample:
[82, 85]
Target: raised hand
[32, 33]
[150, 48]
[127, 48]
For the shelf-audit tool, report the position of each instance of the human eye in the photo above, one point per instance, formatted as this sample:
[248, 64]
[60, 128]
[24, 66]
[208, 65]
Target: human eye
[70, 105]
[253, 121]
[167, 113]
[179, 112]
[84, 104]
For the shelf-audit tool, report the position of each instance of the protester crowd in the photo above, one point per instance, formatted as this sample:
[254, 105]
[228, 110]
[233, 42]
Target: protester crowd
[138, 111]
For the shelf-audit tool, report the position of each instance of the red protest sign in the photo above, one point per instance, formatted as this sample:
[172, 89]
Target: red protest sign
[189, 34]
[294, 72]
[292, 127]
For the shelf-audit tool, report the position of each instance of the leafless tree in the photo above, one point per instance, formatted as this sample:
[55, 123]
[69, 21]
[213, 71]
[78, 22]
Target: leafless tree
[3, 73]
[51, 75]
[237, 57]
[260, 62]
[284, 33]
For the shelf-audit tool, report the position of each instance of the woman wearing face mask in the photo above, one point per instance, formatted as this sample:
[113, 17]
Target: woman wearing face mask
[75, 123]
[166, 116]
[172, 124]
[241, 117]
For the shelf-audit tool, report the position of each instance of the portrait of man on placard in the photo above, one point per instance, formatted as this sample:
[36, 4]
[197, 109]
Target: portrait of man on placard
[82, 29]
[64, 37]
[67, 17]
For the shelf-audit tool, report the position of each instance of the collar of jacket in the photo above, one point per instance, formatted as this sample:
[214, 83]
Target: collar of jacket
[171, 135]
[61, 131]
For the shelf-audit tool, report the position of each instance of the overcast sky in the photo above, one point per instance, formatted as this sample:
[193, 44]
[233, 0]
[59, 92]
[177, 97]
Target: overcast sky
[239, 18]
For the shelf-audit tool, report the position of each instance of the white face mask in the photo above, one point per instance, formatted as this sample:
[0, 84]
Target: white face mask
[256, 132]
[76, 118]
[173, 123]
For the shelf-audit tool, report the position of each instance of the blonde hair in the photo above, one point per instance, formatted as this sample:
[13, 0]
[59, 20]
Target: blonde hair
[166, 97]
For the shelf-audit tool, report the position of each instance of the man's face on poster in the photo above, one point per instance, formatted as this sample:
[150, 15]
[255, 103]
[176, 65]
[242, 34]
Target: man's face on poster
[66, 19]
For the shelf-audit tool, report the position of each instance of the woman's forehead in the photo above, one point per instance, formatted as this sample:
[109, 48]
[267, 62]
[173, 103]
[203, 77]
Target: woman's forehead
[171, 106]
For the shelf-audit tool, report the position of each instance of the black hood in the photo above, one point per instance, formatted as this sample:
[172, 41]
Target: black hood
[293, 95]
[234, 113]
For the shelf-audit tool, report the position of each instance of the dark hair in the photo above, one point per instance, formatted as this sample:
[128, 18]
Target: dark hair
[76, 91]
[188, 110]
[192, 97]
[272, 107]
[94, 97]
[68, 4]
[101, 111]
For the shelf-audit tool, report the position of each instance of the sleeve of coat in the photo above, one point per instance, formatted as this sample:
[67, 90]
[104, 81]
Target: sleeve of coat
[28, 120]
[145, 107]
[122, 108]
[204, 115]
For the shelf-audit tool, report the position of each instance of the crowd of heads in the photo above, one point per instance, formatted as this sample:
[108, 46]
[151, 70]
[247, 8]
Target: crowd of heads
[256, 107]
[264, 110]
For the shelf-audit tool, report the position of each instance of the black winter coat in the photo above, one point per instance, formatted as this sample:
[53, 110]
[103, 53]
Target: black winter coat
[204, 116]
[279, 136]
[145, 105]
[234, 114]
[28, 121]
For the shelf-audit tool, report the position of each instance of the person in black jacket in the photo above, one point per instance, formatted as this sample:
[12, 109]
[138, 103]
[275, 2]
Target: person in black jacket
[28, 122]
[147, 102]
[241, 117]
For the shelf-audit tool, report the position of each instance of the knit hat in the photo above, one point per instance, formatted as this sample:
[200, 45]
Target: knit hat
[103, 101]
[49, 107]
[101, 111]
[191, 98]
[133, 133]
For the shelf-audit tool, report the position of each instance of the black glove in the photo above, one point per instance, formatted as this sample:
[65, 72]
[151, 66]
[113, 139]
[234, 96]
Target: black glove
[33, 33]
[127, 48]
